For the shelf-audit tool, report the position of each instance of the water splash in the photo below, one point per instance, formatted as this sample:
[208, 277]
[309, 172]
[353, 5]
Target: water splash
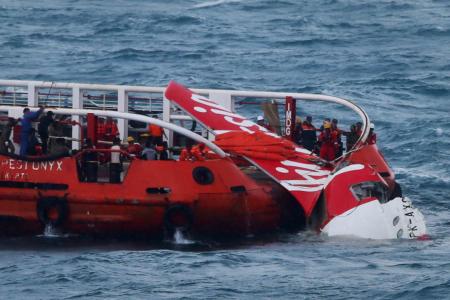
[180, 238]
[51, 232]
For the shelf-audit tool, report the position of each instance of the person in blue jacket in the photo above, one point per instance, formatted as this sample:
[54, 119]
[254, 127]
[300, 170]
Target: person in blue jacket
[27, 119]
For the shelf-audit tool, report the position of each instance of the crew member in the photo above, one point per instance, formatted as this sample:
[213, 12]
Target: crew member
[359, 128]
[162, 152]
[328, 142]
[27, 119]
[186, 153]
[89, 161]
[44, 123]
[199, 151]
[309, 136]
[338, 133]
[372, 138]
[6, 145]
[111, 130]
[134, 149]
[260, 121]
[149, 152]
[115, 166]
[298, 130]
[156, 132]
[352, 137]
[33, 143]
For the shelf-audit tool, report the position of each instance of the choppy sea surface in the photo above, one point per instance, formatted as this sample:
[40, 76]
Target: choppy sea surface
[391, 57]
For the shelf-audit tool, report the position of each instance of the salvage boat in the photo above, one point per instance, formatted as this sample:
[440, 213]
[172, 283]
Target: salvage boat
[253, 181]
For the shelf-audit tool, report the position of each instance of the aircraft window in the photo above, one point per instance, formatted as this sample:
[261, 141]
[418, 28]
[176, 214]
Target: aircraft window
[370, 189]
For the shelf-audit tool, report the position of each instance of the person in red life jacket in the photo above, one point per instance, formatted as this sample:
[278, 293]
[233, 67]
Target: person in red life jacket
[328, 142]
[186, 153]
[309, 136]
[334, 127]
[372, 138]
[134, 149]
[156, 132]
[189, 153]
[260, 121]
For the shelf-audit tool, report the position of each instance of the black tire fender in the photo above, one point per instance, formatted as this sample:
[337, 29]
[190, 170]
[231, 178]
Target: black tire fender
[181, 211]
[46, 204]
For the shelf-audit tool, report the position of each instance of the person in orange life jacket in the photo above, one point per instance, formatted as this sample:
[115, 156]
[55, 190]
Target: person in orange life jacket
[260, 121]
[200, 151]
[134, 149]
[309, 136]
[27, 119]
[372, 138]
[111, 130]
[190, 154]
[328, 142]
[156, 132]
[334, 127]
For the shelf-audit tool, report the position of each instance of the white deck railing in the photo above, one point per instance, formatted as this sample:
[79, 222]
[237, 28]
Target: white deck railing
[123, 98]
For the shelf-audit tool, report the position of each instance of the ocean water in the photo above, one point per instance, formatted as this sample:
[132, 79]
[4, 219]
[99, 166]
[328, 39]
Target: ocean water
[391, 57]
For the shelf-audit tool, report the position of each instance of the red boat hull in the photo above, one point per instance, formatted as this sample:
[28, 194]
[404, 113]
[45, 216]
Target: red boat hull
[153, 195]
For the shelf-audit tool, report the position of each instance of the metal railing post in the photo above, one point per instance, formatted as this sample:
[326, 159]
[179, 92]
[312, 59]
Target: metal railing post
[33, 97]
[223, 98]
[77, 102]
[166, 118]
[122, 106]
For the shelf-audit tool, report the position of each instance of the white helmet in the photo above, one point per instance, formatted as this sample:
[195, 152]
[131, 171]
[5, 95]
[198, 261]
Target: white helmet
[260, 118]
[372, 126]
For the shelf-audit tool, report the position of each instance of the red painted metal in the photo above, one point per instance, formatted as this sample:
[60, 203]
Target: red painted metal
[128, 207]
[290, 112]
[92, 127]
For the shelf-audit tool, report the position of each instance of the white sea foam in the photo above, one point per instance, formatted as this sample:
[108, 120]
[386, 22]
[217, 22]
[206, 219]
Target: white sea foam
[215, 3]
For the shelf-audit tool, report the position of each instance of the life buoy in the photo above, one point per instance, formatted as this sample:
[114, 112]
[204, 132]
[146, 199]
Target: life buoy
[179, 217]
[52, 211]
[203, 175]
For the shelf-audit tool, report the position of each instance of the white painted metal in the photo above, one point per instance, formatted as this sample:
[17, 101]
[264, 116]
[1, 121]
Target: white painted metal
[373, 220]
[224, 97]
[139, 118]
[122, 105]
[77, 103]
